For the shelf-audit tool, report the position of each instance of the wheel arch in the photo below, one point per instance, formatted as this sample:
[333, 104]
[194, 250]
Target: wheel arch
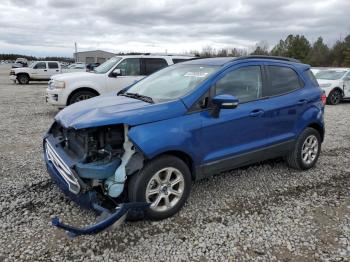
[319, 128]
[79, 90]
[186, 158]
[338, 88]
[23, 73]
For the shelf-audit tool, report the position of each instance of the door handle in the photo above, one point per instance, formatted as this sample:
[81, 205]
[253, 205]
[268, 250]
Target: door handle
[256, 112]
[302, 102]
[45, 70]
[57, 70]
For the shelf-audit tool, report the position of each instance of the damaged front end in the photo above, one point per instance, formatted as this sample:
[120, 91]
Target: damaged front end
[91, 166]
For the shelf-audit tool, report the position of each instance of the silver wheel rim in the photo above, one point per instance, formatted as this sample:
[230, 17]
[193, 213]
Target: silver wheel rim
[309, 149]
[165, 189]
[82, 97]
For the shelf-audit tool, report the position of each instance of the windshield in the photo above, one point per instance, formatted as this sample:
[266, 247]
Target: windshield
[106, 66]
[330, 74]
[172, 82]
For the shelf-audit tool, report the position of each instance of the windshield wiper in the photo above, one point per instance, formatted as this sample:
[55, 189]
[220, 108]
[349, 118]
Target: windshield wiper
[138, 96]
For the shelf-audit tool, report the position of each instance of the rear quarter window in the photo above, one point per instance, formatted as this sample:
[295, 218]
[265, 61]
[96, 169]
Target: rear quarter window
[282, 80]
[311, 76]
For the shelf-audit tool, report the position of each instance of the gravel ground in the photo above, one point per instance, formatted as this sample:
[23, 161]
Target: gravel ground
[263, 212]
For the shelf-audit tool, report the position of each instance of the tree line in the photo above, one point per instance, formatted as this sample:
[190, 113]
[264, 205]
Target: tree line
[295, 46]
[13, 57]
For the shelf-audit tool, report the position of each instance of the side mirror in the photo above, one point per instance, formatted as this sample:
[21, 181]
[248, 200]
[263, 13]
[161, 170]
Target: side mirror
[116, 72]
[223, 102]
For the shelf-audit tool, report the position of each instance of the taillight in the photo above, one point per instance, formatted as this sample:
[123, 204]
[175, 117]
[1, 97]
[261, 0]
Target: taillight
[323, 98]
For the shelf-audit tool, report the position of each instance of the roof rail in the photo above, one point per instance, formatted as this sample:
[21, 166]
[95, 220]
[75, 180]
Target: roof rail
[269, 57]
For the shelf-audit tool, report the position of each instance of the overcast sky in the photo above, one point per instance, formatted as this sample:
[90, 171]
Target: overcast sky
[51, 27]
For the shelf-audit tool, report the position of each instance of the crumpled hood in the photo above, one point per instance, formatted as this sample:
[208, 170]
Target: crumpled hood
[111, 109]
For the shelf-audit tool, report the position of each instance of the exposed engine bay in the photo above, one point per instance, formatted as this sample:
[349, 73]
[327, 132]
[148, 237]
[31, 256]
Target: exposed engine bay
[93, 165]
[101, 155]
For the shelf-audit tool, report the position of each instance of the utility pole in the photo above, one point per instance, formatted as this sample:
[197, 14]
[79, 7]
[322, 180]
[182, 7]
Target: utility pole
[76, 51]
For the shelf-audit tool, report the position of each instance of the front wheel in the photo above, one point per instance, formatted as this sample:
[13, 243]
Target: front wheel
[306, 150]
[23, 79]
[80, 96]
[165, 183]
[334, 97]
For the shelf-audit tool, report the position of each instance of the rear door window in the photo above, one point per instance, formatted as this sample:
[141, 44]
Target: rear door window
[53, 65]
[151, 65]
[282, 80]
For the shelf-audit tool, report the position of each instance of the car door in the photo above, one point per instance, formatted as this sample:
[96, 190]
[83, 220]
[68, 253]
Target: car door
[130, 72]
[39, 71]
[238, 131]
[287, 101]
[53, 69]
[347, 85]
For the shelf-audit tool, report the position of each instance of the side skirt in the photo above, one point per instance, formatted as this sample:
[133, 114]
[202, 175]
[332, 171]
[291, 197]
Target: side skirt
[216, 167]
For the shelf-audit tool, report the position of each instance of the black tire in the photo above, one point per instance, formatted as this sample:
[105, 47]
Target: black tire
[23, 79]
[80, 96]
[295, 158]
[334, 97]
[141, 181]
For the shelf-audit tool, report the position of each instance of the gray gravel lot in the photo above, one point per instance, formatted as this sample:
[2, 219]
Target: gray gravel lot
[262, 212]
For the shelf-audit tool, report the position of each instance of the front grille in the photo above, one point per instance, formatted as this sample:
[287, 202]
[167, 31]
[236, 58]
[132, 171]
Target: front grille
[62, 168]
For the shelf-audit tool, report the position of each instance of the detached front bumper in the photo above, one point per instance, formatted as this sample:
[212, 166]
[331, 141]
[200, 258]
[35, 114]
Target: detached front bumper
[57, 164]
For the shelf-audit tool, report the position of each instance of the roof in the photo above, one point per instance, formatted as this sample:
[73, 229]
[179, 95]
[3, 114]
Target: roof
[220, 61]
[216, 61]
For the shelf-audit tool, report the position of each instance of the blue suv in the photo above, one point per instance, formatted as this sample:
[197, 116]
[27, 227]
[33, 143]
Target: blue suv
[186, 122]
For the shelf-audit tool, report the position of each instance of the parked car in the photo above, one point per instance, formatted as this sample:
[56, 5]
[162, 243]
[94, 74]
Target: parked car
[113, 75]
[39, 71]
[336, 84]
[20, 62]
[77, 66]
[147, 143]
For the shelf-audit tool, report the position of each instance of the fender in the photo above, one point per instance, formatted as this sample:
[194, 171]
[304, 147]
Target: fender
[312, 115]
[153, 139]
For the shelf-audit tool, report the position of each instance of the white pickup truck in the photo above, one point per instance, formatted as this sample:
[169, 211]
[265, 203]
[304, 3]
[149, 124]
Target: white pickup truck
[113, 75]
[39, 71]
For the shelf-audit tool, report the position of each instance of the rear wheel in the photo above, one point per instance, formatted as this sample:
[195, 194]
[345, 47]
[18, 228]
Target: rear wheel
[80, 96]
[23, 79]
[165, 183]
[306, 151]
[334, 97]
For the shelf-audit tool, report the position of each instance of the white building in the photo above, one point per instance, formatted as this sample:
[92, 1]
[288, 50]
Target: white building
[95, 56]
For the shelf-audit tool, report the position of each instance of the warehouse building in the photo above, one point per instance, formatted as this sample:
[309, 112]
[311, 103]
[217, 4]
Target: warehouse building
[96, 56]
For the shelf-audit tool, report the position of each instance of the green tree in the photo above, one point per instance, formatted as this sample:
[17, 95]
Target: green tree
[319, 54]
[293, 46]
[261, 48]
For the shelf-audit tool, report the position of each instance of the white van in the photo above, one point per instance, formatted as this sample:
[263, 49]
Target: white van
[113, 75]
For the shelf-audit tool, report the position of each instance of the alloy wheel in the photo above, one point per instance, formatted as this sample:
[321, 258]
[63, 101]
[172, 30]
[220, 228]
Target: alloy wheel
[165, 189]
[309, 149]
